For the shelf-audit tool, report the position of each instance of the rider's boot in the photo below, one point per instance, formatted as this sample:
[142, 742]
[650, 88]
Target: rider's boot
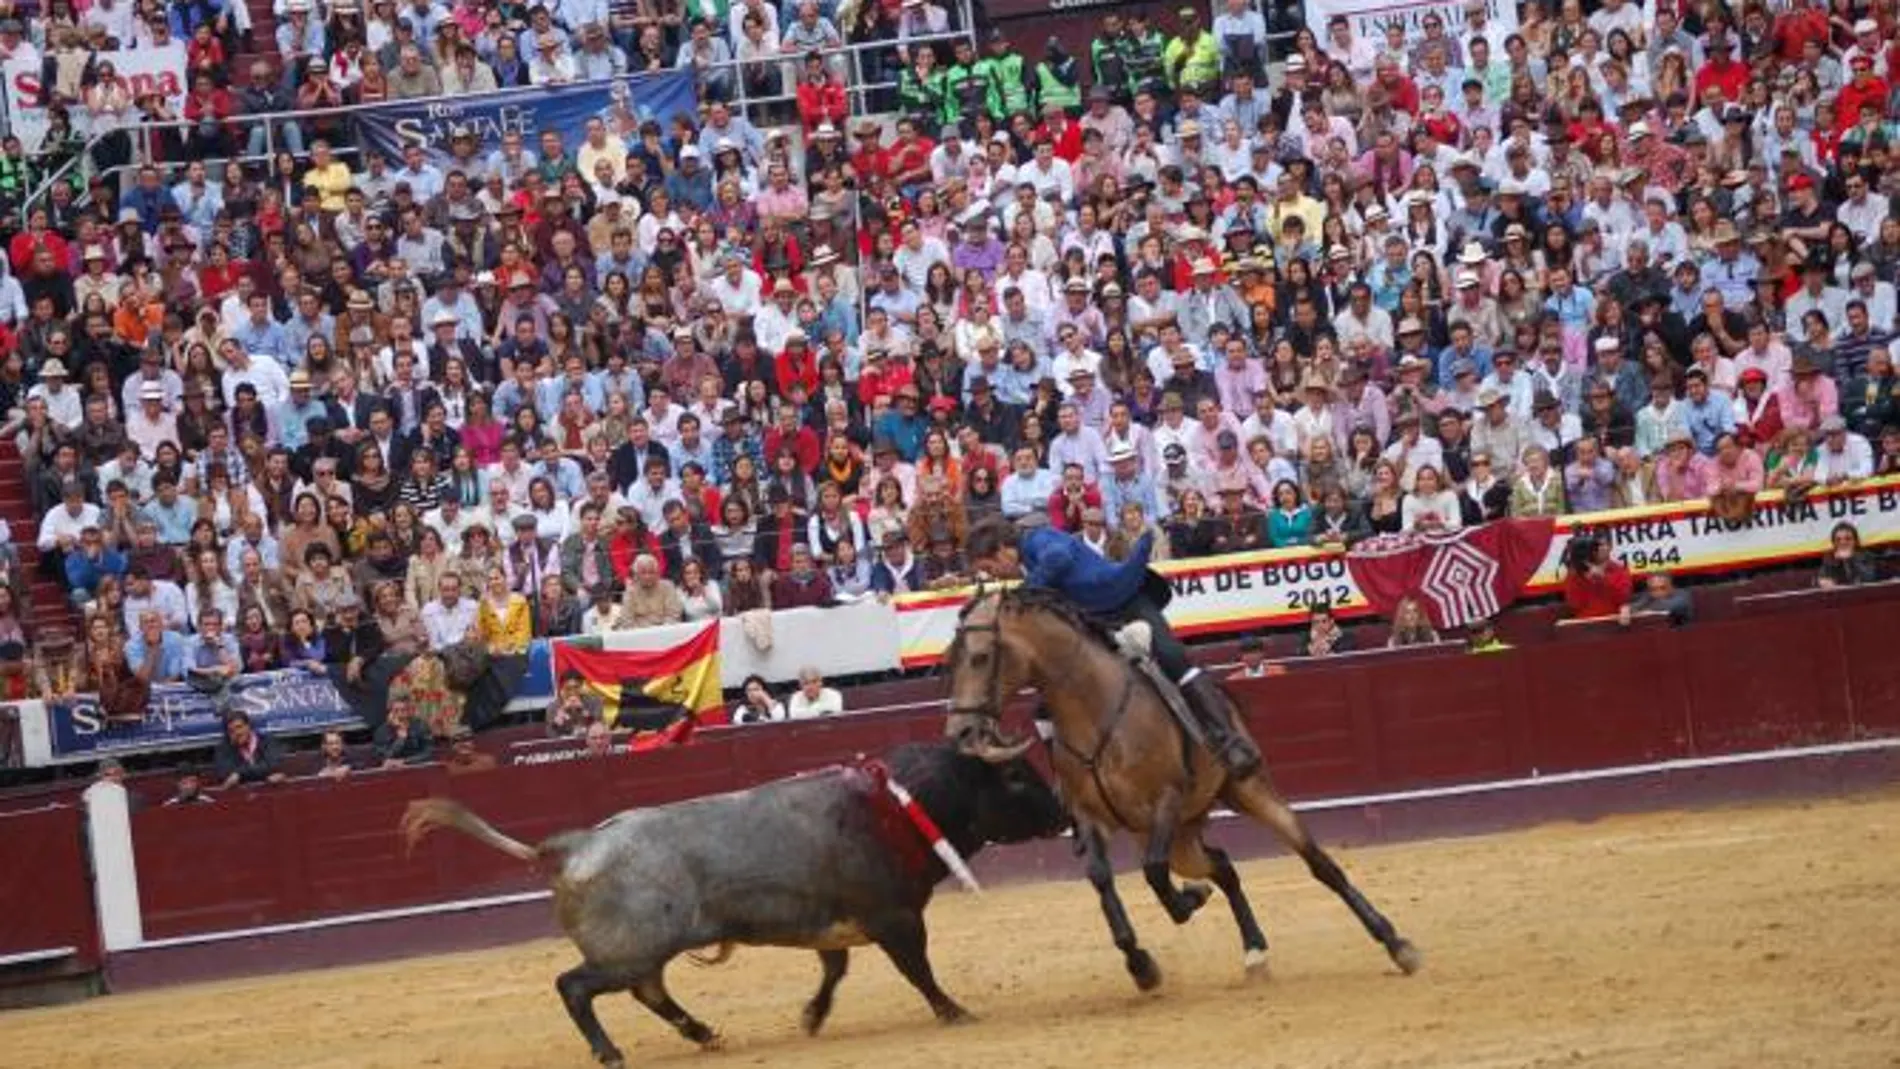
[1213, 710]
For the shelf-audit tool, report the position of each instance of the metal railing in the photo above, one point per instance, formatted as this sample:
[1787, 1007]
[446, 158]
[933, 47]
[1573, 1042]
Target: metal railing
[857, 93]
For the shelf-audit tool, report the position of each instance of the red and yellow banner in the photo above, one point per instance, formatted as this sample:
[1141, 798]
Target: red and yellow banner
[686, 675]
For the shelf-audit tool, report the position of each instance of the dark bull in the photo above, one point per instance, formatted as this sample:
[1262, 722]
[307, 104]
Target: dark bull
[824, 862]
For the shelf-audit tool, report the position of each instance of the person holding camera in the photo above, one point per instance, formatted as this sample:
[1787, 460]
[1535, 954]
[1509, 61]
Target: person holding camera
[1596, 584]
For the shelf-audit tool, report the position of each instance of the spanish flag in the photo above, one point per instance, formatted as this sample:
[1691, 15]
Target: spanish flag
[687, 675]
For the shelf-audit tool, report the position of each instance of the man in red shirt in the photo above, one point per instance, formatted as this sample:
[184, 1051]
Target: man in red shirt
[910, 159]
[1071, 499]
[872, 161]
[1864, 87]
[1721, 71]
[1795, 27]
[1596, 584]
[1400, 92]
[1061, 131]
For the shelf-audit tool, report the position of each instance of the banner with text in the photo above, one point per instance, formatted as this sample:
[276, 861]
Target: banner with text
[1370, 18]
[285, 702]
[623, 103]
[145, 70]
[1252, 590]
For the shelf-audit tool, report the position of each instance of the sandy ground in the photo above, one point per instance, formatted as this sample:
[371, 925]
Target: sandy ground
[1758, 937]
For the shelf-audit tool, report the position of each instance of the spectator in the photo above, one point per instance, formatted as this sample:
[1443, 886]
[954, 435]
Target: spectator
[1324, 637]
[1410, 625]
[1661, 595]
[651, 599]
[246, 755]
[1846, 563]
[334, 758]
[212, 660]
[813, 698]
[1253, 660]
[399, 739]
[155, 654]
[1596, 584]
[598, 739]
[463, 757]
[449, 618]
[575, 706]
[503, 620]
[1482, 637]
[756, 704]
[189, 791]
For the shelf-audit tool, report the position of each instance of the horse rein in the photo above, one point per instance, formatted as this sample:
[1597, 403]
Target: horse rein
[992, 711]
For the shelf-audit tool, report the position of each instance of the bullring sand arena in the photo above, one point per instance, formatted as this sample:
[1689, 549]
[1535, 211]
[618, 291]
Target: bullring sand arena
[1758, 937]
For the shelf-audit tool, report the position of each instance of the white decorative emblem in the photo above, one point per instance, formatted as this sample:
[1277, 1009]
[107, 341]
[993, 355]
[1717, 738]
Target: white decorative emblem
[1462, 580]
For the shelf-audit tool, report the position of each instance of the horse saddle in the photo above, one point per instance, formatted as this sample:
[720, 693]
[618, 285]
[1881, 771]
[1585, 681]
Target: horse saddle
[1135, 642]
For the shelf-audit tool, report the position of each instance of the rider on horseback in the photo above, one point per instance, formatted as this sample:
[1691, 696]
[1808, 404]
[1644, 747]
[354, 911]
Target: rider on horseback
[1121, 593]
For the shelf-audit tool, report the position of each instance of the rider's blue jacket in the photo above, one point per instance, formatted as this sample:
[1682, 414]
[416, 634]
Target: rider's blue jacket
[1062, 563]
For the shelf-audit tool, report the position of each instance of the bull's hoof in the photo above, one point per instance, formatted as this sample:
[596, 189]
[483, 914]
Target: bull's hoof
[952, 1014]
[1407, 957]
[712, 1044]
[610, 1059]
[1142, 967]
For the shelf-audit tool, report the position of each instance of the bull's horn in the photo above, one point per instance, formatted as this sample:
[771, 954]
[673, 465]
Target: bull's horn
[995, 750]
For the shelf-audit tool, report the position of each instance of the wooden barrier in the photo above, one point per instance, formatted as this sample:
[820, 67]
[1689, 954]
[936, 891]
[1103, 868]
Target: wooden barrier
[49, 931]
[1809, 670]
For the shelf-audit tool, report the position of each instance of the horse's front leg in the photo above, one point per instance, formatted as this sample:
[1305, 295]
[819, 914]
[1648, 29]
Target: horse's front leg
[1102, 876]
[1180, 902]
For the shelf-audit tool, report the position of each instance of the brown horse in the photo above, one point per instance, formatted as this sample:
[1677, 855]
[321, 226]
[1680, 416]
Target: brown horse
[1125, 762]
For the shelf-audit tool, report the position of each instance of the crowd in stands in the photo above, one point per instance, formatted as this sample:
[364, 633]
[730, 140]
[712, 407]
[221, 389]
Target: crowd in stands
[1159, 296]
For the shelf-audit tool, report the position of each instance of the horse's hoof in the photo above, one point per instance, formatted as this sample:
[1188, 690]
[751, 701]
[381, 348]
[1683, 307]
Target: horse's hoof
[612, 1060]
[1407, 957]
[1254, 962]
[1142, 967]
[955, 1015]
[712, 1044]
[1189, 900]
[811, 1020]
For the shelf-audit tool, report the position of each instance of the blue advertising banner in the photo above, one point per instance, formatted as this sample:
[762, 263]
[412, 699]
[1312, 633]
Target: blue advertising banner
[387, 129]
[286, 702]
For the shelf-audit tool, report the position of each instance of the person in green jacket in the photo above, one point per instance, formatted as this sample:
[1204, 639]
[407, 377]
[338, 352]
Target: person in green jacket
[1058, 82]
[921, 90]
[966, 88]
[1108, 59]
[1011, 89]
[1193, 56]
[1143, 48]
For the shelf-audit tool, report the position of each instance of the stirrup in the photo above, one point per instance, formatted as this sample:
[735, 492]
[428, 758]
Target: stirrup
[1238, 755]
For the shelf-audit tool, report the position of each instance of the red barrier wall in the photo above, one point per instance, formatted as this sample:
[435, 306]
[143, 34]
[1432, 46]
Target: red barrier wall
[1798, 672]
[45, 897]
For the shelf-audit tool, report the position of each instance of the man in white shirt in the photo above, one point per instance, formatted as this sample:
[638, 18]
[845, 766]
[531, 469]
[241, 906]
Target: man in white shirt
[142, 592]
[449, 618]
[263, 372]
[1843, 455]
[813, 698]
[61, 528]
[736, 289]
[62, 401]
[1878, 296]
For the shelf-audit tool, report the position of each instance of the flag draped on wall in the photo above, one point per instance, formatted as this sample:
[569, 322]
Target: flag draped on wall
[686, 675]
[1458, 578]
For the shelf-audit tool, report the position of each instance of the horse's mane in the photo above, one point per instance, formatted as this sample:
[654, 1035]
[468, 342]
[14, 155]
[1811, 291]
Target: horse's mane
[1023, 597]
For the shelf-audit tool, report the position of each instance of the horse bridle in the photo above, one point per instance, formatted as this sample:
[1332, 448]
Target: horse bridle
[992, 709]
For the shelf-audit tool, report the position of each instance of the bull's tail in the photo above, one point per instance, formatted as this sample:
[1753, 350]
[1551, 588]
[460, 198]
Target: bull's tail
[427, 814]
